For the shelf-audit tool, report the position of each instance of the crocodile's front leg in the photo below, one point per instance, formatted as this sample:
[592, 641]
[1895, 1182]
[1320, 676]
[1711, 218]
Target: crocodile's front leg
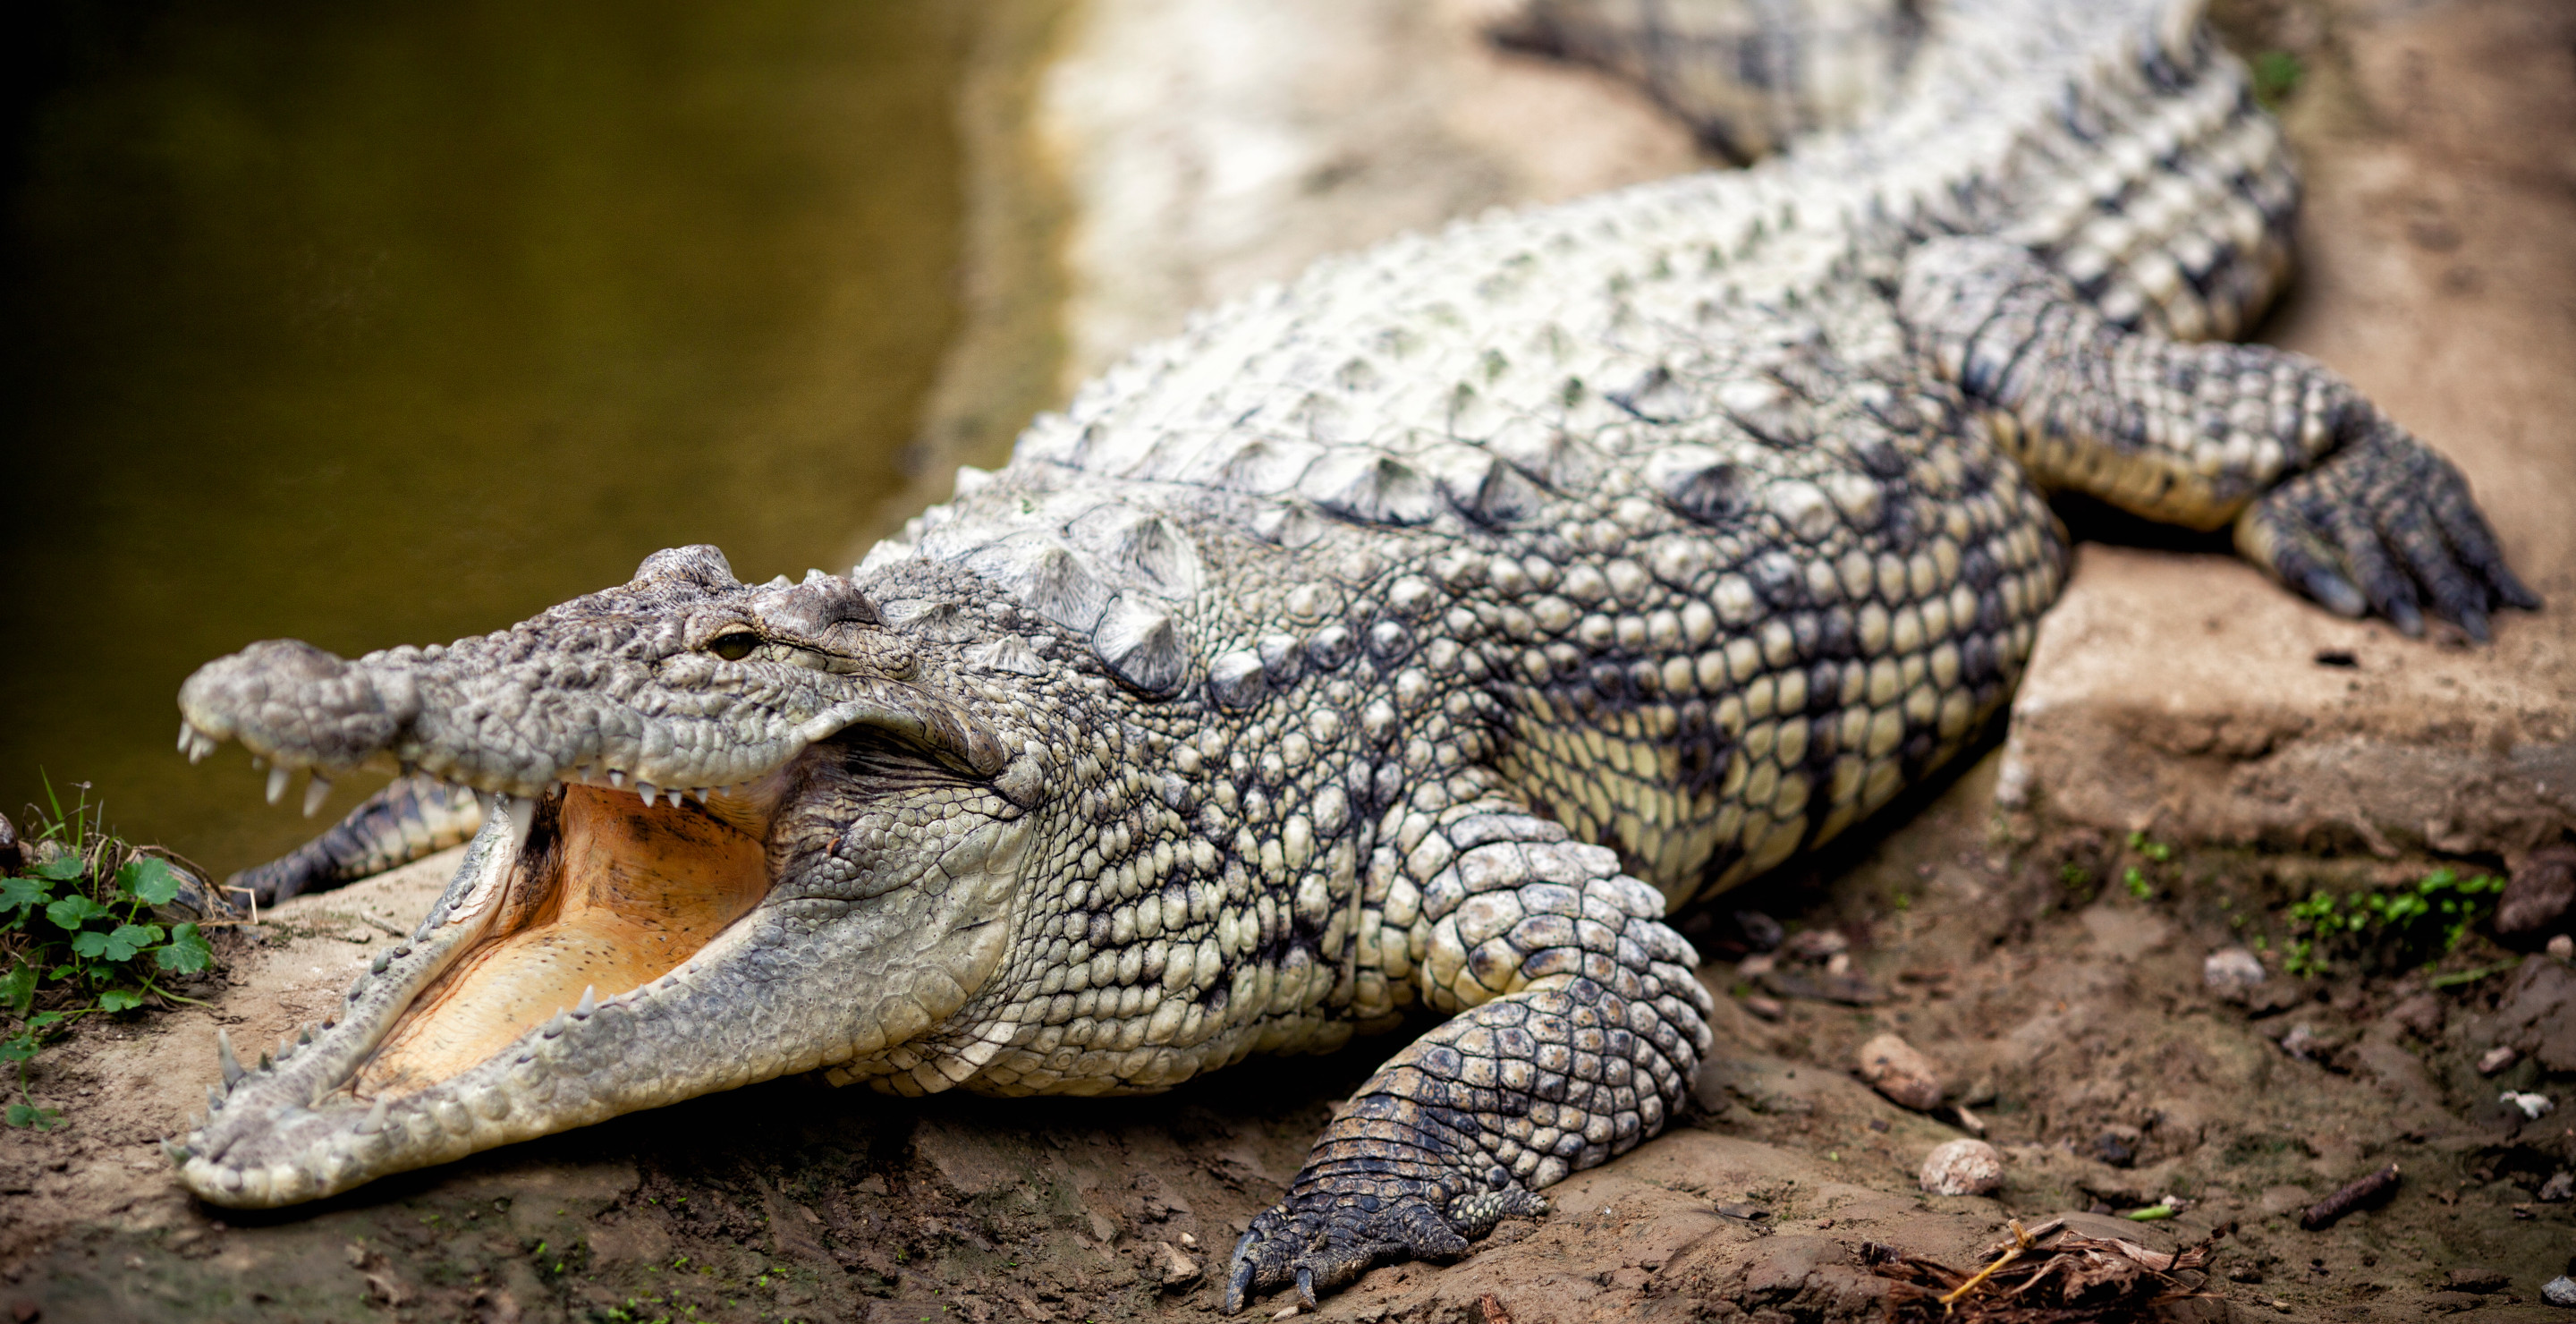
[1581, 1026]
[2325, 492]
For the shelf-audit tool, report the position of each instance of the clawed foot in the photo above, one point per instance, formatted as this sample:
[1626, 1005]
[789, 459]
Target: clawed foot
[2386, 526]
[1332, 1229]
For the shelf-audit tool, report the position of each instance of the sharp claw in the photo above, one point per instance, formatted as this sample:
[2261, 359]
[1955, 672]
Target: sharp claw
[2336, 594]
[2473, 622]
[1306, 1285]
[2511, 589]
[2408, 620]
[1238, 1284]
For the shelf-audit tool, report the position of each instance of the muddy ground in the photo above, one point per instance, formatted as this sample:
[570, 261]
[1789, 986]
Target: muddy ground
[2064, 1009]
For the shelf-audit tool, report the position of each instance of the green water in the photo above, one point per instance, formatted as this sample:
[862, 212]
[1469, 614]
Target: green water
[369, 324]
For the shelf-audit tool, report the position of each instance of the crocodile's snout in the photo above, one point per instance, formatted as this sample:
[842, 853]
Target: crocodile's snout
[296, 705]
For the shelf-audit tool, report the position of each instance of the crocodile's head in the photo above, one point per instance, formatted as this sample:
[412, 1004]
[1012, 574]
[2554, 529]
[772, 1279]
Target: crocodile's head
[734, 832]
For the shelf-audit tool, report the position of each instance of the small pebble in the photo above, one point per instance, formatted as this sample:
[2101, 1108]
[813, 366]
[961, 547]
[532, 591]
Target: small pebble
[2533, 1106]
[1756, 965]
[2476, 1279]
[2497, 1059]
[2560, 1188]
[2559, 1291]
[2232, 973]
[2539, 896]
[2303, 1043]
[1898, 1070]
[1963, 1167]
[2562, 947]
[1819, 944]
[1768, 1009]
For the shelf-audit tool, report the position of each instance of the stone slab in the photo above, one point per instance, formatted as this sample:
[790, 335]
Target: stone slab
[2187, 694]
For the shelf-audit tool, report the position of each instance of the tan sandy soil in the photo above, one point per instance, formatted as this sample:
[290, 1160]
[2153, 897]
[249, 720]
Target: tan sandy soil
[2175, 692]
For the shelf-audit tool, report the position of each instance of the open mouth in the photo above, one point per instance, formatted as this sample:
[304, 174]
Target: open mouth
[573, 913]
[612, 942]
[607, 894]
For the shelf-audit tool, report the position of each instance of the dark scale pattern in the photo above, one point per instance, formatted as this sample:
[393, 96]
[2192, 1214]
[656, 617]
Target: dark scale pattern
[1417, 634]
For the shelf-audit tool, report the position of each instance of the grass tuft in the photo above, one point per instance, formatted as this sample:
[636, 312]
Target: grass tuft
[79, 936]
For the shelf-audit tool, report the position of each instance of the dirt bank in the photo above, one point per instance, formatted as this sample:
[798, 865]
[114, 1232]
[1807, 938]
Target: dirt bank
[2065, 1009]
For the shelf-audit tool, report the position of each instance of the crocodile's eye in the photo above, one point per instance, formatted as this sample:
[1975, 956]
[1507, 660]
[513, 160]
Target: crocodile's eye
[733, 647]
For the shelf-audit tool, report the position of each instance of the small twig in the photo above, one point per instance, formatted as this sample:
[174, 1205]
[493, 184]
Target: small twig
[2022, 1241]
[2325, 1212]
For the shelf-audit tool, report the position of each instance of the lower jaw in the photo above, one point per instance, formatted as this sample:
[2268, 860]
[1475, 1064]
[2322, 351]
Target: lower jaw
[620, 895]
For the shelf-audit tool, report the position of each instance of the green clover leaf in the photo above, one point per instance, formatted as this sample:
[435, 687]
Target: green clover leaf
[150, 881]
[73, 911]
[186, 953]
[20, 893]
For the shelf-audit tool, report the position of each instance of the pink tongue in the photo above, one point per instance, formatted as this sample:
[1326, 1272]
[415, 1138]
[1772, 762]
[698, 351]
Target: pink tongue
[642, 889]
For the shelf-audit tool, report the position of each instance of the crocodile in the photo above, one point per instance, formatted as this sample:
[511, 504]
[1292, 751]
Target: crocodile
[1398, 646]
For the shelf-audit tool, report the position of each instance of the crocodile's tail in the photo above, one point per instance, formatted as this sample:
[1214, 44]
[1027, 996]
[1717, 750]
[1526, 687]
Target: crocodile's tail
[1748, 76]
[2154, 182]
[2170, 202]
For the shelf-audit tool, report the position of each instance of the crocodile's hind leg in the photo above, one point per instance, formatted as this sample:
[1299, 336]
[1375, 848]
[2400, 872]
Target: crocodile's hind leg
[2325, 493]
[1580, 1026]
[410, 818]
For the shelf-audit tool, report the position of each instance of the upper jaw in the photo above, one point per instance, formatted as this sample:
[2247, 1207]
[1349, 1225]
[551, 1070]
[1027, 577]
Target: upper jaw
[617, 689]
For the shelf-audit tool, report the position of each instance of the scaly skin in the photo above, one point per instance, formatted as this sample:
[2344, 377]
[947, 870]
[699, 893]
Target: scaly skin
[1415, 635]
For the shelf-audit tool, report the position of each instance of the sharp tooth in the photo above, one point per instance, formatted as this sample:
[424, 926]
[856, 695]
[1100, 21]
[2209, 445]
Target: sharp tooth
[185, 742]
[700, 792]
[277, 783]
[375, 1119]
[315, 792]
[649, 791]
[214, 1101]
[225, 1055]
[523, 813]
[617, 778]
[177, 1153]
[589, 1001]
